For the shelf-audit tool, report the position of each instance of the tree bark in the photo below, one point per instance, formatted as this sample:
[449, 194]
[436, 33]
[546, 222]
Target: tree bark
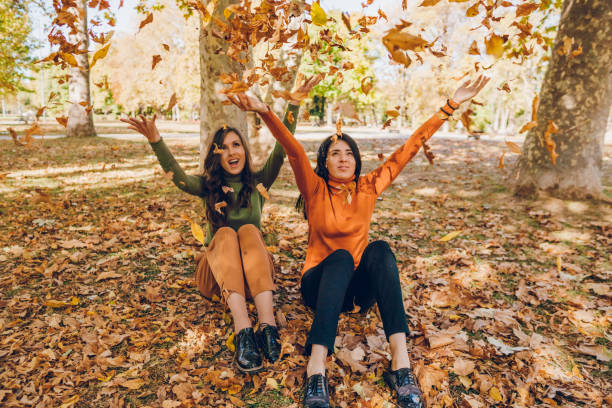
[576, 95]
[213, 114]
[80, 121]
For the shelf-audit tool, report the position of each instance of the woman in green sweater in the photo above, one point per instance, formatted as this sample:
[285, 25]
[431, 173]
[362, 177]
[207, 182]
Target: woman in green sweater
[235, 264]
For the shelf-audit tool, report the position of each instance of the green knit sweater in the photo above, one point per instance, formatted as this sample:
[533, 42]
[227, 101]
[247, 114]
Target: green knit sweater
[194, 185]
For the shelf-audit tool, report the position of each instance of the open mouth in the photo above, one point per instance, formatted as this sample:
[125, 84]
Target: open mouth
[233, 162]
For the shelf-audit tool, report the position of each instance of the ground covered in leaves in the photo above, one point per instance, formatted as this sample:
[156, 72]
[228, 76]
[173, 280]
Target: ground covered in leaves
[97, 307]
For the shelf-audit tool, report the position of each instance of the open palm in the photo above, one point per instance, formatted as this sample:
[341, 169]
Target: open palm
[469, 89]
[145, 126]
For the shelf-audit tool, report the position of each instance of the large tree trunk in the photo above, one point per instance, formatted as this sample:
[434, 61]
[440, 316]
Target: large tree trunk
[576, 95]
[80, 121]
[213, 114]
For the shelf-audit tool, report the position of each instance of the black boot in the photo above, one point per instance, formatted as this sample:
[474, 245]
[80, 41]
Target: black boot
[247, 355]
[268, 341]
[403, 384]
[316, 393]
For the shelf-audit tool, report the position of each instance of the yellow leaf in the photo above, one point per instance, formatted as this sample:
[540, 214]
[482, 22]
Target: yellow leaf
[495, 45]
[318, 14]
[450, 236]
[473, 11]
[392, 113]
[101, 53]
[429, 3]
[271, 384]
[514, 148]
[69, 58]
[234, 389]
[197, 232]
[230, 343]
[559, 263]
[216, 298]
[495, 394]
[74, 301]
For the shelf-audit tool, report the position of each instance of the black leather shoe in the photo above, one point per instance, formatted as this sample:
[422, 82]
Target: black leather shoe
[316, 394]
[404, 385]
[268, 341]
[247, 355]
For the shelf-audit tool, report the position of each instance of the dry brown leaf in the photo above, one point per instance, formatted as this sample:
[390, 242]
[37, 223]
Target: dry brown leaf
[62, 120]
[514, 148]
[339, 126]
[147, 20]
[227, 189]
[500, 165]
[155, 60]
[172, 102]
[132, 384]
[463, 366]
[108, 275]
[526, 8]
[262, 190]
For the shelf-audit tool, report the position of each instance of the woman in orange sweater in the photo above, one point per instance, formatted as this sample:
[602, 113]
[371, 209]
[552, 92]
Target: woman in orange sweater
[341, 269]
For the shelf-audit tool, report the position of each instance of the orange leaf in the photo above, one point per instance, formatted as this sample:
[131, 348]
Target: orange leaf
[473, 11]
[550, 144]
[495, 45]
[147, 20]
[514, 148]
[366, 85]
[172, 102]
[62, 120]
[501, 161]
[429, 3]
[290, 117]
[101, 53]
[219, 207]
[216, 149]
[526, 8]
[156, 59]
[339, 126]
[262, 190]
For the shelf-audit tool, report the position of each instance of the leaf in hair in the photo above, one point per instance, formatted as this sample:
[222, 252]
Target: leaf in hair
[216, 149]
[219, 207]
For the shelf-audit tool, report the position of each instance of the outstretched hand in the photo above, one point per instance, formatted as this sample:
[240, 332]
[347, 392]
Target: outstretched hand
[145, 126]
[248, 103]
[469, 89]
[303, 86]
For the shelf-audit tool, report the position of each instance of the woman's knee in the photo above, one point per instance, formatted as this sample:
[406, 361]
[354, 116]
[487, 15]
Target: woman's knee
[225, 232]
[248, 229]
[342, 256]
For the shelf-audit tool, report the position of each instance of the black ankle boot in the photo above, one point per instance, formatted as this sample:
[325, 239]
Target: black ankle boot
[404, 385]
[316, 392]
[247, 355]
[268, 341]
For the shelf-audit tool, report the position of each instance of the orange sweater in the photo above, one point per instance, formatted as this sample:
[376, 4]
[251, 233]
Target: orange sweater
[333, 223]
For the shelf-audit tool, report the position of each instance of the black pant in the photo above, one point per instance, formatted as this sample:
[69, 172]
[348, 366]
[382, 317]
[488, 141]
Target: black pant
[334, 286]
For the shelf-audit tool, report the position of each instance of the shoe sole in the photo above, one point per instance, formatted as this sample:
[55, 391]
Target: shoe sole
[248, 370]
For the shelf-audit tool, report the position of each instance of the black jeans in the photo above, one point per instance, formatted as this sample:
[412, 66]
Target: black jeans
[334, 286]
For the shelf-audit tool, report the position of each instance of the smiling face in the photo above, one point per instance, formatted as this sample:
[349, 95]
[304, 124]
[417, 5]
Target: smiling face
[340, 160]
[233, 156]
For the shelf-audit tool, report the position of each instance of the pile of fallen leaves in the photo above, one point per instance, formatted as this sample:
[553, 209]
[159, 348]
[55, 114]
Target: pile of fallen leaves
[508, 301]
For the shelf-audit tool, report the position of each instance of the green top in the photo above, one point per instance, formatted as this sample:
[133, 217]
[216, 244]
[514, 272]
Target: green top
[194, 185]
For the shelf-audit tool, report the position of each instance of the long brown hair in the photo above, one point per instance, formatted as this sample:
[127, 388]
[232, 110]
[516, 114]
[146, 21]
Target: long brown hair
[215, 179]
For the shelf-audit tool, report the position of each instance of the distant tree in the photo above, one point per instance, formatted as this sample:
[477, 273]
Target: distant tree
[15, 59]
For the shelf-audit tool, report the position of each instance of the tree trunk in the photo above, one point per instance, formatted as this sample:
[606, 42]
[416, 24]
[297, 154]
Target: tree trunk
[213, 114]
[576, 94]
[80, 122]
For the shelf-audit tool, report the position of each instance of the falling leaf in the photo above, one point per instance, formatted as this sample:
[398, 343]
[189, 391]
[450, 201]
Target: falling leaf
[262, 190]
[450, 236]
[217, 149]
[15, 137]
[395, 39]
[166, 47]
[101, 53]
[156, 59]
[172, 102]
[70, 59]
[526, 8]
[505, 87]
[318, 14]
[495, 45]
[339, 126]
[40, 111]
[147, 20]
[382, 14]
[196, 230]
[62, 120]
[500, 165]
[514, 148]
[366, 85]
[466, 120]
[473, 10]
[392, 113]
[290, 117]
[227, 189]
[429, 3]
[549, 143]
[219, 207]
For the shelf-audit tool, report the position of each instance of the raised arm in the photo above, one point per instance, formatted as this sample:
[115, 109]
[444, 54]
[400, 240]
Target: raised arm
[305, 177]
[270, 170]
[190, 184]
[384, 175]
